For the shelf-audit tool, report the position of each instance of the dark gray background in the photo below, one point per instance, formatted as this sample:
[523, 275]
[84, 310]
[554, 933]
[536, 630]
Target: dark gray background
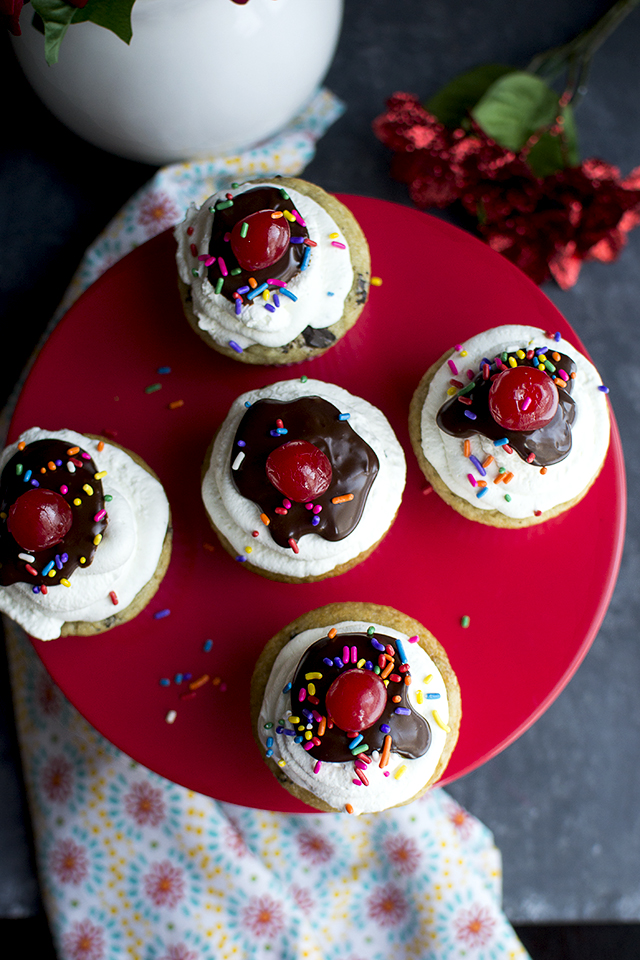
[563, 800]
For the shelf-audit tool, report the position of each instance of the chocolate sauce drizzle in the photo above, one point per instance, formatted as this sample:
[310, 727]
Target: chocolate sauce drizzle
[354, 466]
[410, 733]
[23, 472]
[226, 217]
[549, 444]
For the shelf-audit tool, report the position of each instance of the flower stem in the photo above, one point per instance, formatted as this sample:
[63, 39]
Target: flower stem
[574, 57]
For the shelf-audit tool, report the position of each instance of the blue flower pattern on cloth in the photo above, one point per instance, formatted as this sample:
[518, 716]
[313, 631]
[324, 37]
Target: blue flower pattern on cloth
[133, 866]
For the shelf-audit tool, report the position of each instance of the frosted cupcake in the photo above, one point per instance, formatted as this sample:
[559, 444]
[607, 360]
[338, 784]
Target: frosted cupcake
[85, 533]
[302, 480]
[355, 707]
[272, 271]
[511, 427]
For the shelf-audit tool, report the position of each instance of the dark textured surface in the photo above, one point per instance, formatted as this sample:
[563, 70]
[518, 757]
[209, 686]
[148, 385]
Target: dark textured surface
[562, 801]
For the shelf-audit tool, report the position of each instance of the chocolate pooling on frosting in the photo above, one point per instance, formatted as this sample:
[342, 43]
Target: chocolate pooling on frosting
[410, 733]
[49, 464]
[542, 447]
[229, 212]
[354, 467]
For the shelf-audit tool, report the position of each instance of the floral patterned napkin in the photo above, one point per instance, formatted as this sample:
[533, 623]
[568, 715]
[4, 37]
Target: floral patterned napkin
[134, 866]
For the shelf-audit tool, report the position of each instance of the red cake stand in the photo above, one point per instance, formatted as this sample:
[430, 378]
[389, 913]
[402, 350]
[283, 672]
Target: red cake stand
[439, 286]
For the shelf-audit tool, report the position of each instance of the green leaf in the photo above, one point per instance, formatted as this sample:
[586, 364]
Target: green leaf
[115, 15]
[453, 102]
[56, 16]
[554, 153]
[515, 107]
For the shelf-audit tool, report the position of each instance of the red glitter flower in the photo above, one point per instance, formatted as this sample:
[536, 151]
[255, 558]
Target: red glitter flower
[164, 884]
[69, 862]
[145, 805]
[403, 852]
[264, 916]
[388, 906]
[474, 926]
[85, 941]
[10, 15]
[548, 226]
[57, 779]
[314, 847]
[157, 212]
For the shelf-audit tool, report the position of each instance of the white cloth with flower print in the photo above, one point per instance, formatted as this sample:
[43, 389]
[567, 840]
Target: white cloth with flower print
[134, 866]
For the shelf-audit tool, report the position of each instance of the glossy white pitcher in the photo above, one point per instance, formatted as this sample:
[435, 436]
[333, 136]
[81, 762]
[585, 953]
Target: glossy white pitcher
[200, 77]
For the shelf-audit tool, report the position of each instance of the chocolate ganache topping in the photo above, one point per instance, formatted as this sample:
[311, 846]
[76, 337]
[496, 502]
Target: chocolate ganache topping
[342, 672]
[52, 514]
[344, 468]
[227, 275]
[469, 412]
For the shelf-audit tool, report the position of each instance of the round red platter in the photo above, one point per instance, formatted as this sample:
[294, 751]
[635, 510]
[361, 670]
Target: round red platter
[439, 286]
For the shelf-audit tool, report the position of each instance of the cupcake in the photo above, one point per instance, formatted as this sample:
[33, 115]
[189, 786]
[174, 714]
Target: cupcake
[512, 427]
[85, 533]
[272, 271]
[302, 480]
[355, 707]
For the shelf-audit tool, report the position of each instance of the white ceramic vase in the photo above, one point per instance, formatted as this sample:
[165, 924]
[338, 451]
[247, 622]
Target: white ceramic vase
[200, 77]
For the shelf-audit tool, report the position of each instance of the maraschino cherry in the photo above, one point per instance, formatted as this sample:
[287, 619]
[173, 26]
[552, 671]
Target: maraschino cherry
[264, 242]
[39, 519]
[299, 470]
[523, 398]
[356, 699]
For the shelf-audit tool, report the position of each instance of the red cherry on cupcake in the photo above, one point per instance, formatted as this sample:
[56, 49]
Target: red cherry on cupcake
[39, 519]
[299, 470]
[356, 699]
[523, 398]
[265, 240]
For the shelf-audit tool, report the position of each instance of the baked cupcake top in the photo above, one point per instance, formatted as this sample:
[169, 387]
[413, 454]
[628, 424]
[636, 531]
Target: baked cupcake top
[263, 263]
[303, 477]
[516, 421]
[357, 714]
[82, 527]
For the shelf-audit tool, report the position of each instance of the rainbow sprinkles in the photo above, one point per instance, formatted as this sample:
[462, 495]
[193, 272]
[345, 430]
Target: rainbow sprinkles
[515, 422]
[265, 265]
[271, 520]
[357, 714]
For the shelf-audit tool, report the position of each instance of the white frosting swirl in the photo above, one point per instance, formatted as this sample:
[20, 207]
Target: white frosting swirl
[529, 490]
[334, 781]
[321, 289]
[124, 561]
[236, 517]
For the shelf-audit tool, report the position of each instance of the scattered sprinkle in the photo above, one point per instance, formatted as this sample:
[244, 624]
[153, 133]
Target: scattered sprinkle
[171, 716]
[465, 621]
[443, 726]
